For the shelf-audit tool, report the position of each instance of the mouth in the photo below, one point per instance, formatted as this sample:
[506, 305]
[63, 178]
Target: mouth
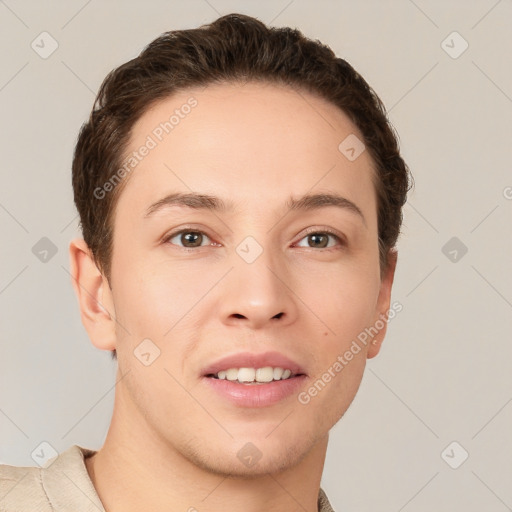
[255, 394]
[249, 367]
[255, 376]
[254, 380]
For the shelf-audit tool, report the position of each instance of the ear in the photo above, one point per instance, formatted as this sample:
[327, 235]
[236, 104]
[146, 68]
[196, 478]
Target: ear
[383, 303]
[94, 296]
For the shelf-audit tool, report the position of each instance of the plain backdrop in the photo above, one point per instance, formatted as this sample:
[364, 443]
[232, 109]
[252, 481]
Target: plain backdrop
[443, 376]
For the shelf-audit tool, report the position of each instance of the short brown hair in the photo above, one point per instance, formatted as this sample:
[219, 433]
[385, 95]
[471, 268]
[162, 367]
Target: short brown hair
[233, 48]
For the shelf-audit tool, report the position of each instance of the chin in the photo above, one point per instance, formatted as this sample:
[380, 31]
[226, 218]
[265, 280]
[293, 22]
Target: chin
[233, 467]
[247, 457]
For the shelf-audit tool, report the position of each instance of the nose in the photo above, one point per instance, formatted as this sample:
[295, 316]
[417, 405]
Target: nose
[258, 294]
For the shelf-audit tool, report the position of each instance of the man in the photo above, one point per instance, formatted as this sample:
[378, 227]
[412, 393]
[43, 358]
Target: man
[240, 195]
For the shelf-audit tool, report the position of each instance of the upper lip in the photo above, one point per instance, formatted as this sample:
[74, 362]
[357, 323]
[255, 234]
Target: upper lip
[252, 360]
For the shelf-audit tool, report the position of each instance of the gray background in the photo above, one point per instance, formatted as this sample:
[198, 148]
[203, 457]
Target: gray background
[444, 373]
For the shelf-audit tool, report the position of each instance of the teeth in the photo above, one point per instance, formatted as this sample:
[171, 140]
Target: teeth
[266, 374]
[278, 373]
[232, 374]
[246, 374]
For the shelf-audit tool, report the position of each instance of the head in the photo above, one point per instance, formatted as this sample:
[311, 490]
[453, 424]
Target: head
[245, 120]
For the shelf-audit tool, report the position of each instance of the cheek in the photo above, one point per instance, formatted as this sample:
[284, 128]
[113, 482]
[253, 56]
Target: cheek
[344, 301]
[149, 295]
[346, 308]
[158, 302]
[154, 298]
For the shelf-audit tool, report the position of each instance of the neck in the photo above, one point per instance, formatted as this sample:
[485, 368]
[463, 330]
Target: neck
[138, 470]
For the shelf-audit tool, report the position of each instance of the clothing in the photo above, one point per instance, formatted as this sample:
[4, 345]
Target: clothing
[63, 485]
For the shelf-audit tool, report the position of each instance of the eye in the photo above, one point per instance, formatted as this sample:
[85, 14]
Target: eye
[192, 239]
[188, 237]
[320, 239]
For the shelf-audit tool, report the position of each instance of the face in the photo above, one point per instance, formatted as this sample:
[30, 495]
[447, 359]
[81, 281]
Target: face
[240, 280]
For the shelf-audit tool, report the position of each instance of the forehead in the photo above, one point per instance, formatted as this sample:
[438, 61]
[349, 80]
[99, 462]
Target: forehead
[254, 144]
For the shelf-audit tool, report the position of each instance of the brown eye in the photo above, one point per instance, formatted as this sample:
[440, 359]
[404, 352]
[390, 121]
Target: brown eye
[188, 238]
[320, 240]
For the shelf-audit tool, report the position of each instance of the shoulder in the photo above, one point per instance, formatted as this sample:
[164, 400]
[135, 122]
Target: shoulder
[21, 489]
[62, 485]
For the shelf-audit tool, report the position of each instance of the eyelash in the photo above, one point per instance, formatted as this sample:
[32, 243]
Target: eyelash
[325, 231]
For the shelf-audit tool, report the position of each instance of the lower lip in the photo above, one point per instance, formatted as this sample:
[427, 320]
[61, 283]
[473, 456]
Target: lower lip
[256, 395]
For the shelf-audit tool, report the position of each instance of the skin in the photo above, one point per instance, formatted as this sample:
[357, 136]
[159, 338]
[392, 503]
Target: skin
[172, 441]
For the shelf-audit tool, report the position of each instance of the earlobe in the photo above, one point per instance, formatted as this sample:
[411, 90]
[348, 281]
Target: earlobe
[94, 296]
[383, 304]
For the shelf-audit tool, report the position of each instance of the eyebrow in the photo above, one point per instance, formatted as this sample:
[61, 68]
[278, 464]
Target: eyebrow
[197, 201]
